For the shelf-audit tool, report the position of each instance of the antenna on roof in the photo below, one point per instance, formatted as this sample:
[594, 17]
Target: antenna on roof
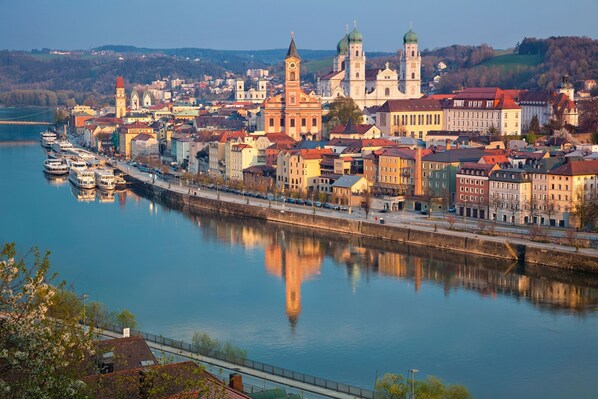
[293, 35]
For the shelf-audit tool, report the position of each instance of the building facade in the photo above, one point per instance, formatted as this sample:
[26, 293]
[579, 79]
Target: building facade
[410, 118]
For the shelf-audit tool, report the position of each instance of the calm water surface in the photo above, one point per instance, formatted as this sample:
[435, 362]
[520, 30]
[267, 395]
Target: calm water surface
[335, 307]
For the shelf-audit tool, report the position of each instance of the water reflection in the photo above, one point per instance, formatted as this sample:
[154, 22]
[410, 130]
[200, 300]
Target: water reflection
[54, 180]
[295, 255]
[83, 194]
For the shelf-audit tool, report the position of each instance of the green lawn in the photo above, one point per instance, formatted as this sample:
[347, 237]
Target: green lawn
[513, 60]
[317, 65]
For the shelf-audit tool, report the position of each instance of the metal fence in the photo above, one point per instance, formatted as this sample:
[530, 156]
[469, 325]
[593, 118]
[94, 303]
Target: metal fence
[252, 364]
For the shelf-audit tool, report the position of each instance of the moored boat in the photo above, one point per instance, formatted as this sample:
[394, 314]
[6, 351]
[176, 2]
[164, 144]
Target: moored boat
[56, 167]
[105, 179]
[47, 139]
[80, 176]
[61, 146]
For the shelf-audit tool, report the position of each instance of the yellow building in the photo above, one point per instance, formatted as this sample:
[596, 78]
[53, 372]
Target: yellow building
[569, 186]
[298, 170]
[410, 118]
[126, 133]
[120, 98]
[397, 171]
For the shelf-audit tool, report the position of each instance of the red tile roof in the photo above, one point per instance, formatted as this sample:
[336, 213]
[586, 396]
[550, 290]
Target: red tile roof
[120, 82]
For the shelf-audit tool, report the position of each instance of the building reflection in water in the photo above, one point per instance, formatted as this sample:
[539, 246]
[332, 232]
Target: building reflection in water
[295, 260]
[55, 180]
[295, 255]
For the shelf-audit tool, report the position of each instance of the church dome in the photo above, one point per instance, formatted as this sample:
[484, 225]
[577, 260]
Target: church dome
[342, 48]
[410, 37]
[355, 36]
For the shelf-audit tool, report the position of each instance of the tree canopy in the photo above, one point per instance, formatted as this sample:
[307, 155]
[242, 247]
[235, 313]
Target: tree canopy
[341, 110]
[395, 386]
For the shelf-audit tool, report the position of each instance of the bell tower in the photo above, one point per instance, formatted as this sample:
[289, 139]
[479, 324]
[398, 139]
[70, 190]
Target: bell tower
[411, 60]
[292, 93]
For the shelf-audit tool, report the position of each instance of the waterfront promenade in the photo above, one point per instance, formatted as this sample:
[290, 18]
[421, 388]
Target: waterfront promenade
[262, 372]
[507, 246]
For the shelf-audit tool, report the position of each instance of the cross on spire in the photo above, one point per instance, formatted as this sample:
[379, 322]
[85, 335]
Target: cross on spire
[347, 29]
[354, 24]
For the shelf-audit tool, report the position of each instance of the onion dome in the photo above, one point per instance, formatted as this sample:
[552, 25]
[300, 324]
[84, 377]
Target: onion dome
[342, 48]
[355, 36]
[410, 37]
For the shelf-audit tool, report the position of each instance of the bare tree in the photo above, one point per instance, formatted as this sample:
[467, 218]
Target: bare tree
[366, 202]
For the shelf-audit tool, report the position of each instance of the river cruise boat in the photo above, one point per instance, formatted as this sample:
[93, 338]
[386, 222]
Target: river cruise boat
[105, 179]
[120, 182]
[56, 167]
[61, 146]
[80, 176]
[47, 139]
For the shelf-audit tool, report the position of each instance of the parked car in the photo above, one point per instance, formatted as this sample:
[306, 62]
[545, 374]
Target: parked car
[424, 212]
[318, 204]
[452, 209]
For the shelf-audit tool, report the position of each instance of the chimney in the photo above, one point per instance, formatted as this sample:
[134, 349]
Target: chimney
[235, 381]
[418, 172]
[448, 144]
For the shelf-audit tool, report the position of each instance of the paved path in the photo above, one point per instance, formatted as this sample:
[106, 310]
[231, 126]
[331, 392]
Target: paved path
[304, 387]
[403, 219]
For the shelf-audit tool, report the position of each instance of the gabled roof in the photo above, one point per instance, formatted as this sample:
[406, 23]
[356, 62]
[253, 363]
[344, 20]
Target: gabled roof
[124, 353]
[485, 169]
[577, 168]
[351, 128]
[143, 137]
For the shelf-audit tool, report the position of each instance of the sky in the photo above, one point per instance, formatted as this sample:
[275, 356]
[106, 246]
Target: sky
[267, 24]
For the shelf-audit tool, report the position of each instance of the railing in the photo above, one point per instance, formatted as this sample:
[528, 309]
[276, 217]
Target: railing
[252, 364]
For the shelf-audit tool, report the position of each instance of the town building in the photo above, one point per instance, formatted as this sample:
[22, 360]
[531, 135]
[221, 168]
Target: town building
[486, 109]
[410, 118]
[510, 194]
[347, 190]
[126, 133]
[144, 145]
[371, 87]
[298, 169]
[473, 189]
[295, 113]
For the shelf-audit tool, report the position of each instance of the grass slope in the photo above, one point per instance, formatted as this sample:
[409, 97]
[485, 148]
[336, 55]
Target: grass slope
[510, 61]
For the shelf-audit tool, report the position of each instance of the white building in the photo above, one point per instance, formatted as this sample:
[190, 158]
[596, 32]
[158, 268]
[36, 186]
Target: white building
[254, 95]
[483, 109]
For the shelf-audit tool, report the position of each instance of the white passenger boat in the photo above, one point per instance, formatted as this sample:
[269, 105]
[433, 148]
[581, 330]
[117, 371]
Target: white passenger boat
[56, 167]
[61, 146]
[80, 176]
[47, 139]
[105, 179]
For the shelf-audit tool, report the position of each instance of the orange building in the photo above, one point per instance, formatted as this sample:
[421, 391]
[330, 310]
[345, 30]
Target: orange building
[295, 113]
[120, 98]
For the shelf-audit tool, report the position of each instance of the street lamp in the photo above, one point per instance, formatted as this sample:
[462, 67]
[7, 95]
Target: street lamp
[413, 371]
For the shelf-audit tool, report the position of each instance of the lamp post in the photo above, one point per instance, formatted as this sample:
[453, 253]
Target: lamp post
[413, 371]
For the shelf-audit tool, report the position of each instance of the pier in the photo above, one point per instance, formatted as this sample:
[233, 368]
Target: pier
[25, 123]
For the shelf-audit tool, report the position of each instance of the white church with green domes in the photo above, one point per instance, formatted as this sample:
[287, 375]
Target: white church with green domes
[371, 87]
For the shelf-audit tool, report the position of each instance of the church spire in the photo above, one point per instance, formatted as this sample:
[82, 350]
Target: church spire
[292, 48]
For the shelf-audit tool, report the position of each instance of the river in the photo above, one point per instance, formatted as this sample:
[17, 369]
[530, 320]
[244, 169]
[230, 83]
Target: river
[336, 307]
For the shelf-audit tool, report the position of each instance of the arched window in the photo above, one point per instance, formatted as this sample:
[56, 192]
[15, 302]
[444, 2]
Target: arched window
[357, 75]
[412, 75]
[292, 76]
[387, 92]
[412, 53]
[356, 53]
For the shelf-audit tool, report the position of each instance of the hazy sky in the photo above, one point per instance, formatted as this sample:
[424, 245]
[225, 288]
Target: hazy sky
[266, 24]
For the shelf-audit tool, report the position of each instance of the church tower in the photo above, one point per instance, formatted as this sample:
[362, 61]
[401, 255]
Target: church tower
[341, 53]
[120, 98]
[355, 68]
[292, 92]
[411, 60]
[240, 90]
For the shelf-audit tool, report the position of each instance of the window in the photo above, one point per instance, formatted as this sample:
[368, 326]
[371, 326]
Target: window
[292, 76]
[412, 53]
[271, 122]
[412, 75]
[387, 92]
[314, 122]
[303, 122]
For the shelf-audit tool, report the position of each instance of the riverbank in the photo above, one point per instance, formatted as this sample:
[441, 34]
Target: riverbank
[505, 248]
